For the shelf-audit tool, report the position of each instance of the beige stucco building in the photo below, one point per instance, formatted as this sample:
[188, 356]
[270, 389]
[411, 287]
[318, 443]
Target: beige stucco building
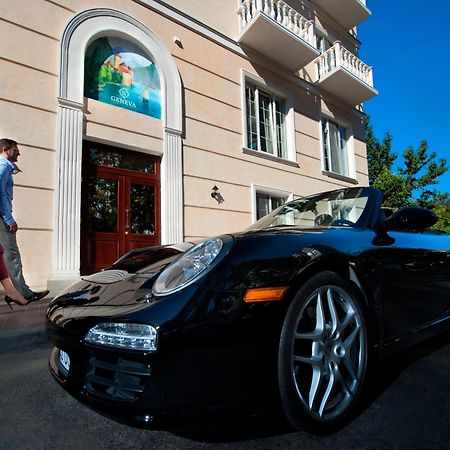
[129, 112]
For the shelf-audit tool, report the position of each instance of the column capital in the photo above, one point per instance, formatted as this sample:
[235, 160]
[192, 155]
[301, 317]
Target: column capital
[172, 131]
[66, 103]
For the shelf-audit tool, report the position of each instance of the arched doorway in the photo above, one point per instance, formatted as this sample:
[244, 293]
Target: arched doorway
[83, 29]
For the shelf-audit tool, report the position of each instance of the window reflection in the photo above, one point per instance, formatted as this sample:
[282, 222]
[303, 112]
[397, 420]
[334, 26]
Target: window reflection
[142, 209]
[121, 160]
[102, 213]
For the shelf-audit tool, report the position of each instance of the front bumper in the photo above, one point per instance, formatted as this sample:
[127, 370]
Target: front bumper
[150, 392]
[202, 372]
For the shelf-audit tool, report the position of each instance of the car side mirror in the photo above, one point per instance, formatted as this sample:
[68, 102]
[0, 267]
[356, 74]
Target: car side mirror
[410, 218]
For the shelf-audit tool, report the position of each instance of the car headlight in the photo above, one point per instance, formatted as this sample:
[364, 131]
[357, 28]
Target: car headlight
[188, 268]
[130, 336]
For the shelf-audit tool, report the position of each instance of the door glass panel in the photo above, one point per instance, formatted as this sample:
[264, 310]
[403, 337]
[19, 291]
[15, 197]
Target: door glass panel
[121, 160]
[142, 199]
[102, 210]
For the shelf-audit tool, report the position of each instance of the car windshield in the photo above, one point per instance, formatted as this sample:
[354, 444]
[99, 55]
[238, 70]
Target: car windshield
[343, 208]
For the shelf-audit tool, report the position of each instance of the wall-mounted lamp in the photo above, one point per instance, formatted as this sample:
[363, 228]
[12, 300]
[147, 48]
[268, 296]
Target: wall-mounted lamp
[215, 194]
[177, 41]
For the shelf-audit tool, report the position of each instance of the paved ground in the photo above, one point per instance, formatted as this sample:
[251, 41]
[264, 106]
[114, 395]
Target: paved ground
[24, 327]
[408, 409]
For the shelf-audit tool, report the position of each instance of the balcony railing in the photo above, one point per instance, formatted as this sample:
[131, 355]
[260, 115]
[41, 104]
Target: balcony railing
[277, 31]
[347, 13]
[343, 74]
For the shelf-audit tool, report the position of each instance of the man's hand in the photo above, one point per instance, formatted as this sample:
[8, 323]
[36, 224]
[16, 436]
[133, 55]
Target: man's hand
[13, 227]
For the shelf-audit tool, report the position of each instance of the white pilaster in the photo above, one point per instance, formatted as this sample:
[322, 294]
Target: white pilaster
[172, 188]
[66, 248]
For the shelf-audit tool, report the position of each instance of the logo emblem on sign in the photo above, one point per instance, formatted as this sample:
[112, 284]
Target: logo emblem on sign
[124, 92]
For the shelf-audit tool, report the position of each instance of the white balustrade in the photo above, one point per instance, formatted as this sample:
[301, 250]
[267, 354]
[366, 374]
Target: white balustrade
[280, 12]
[339, 57]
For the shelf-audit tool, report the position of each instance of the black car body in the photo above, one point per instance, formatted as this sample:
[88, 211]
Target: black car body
[293, 308]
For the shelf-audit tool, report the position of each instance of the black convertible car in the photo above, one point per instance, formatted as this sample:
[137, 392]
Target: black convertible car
[293, 309]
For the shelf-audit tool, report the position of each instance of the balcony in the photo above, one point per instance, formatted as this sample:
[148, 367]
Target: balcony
[347, 13]
[344, 75]
[277, 31]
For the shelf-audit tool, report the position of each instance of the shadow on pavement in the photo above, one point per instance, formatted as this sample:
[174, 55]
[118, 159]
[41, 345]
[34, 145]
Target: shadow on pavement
[387, 371]
[272, 423]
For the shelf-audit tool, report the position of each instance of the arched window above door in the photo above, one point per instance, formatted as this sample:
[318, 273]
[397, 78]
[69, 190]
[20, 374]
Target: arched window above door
[118, 72]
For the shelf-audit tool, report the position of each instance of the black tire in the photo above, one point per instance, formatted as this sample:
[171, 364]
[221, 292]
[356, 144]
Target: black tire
[323, 354]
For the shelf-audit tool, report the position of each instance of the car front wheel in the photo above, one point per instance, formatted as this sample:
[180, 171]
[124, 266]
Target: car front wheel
[323, 354]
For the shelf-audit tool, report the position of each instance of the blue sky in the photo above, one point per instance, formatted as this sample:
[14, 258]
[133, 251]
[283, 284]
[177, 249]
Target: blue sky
[406, 44]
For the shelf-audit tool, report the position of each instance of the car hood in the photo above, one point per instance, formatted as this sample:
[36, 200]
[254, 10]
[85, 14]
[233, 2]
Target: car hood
[126, 285]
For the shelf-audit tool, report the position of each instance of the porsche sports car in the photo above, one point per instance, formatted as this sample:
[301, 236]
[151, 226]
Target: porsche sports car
[294, 309]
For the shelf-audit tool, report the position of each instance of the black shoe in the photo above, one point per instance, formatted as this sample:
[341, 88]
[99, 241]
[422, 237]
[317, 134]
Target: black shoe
[8, 301]
[37, 296]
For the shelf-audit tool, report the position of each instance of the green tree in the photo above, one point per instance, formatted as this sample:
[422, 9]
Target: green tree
[396, 192]
[414, 182]
[421, 170]
[379, 154]
[440, 203]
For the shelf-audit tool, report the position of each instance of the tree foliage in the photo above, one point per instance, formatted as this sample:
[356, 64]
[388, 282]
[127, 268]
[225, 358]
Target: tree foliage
[394, 187]
[379, 155]
[414, 181]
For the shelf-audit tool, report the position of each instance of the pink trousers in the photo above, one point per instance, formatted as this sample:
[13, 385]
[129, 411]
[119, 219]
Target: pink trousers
[3, 270]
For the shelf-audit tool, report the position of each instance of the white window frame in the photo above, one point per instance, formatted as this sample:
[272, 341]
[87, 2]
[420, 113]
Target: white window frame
[324, 40]
[273, 192]
[288, 110]
[350, 154]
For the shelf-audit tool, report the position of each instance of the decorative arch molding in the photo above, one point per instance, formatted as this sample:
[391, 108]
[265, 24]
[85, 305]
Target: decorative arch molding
[94, 23]
[83, 29]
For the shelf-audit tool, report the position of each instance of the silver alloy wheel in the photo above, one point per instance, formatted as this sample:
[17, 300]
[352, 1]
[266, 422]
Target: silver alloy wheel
[328, 352]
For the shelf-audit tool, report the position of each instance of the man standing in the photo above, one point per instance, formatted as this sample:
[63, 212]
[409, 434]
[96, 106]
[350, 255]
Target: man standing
[9, 152]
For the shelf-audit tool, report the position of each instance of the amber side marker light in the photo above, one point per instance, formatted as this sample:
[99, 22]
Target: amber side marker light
[264, 294]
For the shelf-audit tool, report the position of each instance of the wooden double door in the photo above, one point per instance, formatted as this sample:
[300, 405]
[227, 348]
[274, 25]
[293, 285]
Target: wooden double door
[120, 204]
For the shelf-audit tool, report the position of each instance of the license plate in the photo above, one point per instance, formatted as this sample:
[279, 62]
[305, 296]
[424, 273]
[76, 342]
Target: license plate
[64, 360]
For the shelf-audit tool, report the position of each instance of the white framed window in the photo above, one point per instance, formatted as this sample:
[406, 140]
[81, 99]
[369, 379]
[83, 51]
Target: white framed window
[266, 203]
[335, 139]
[265, 121]
[265, 200]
